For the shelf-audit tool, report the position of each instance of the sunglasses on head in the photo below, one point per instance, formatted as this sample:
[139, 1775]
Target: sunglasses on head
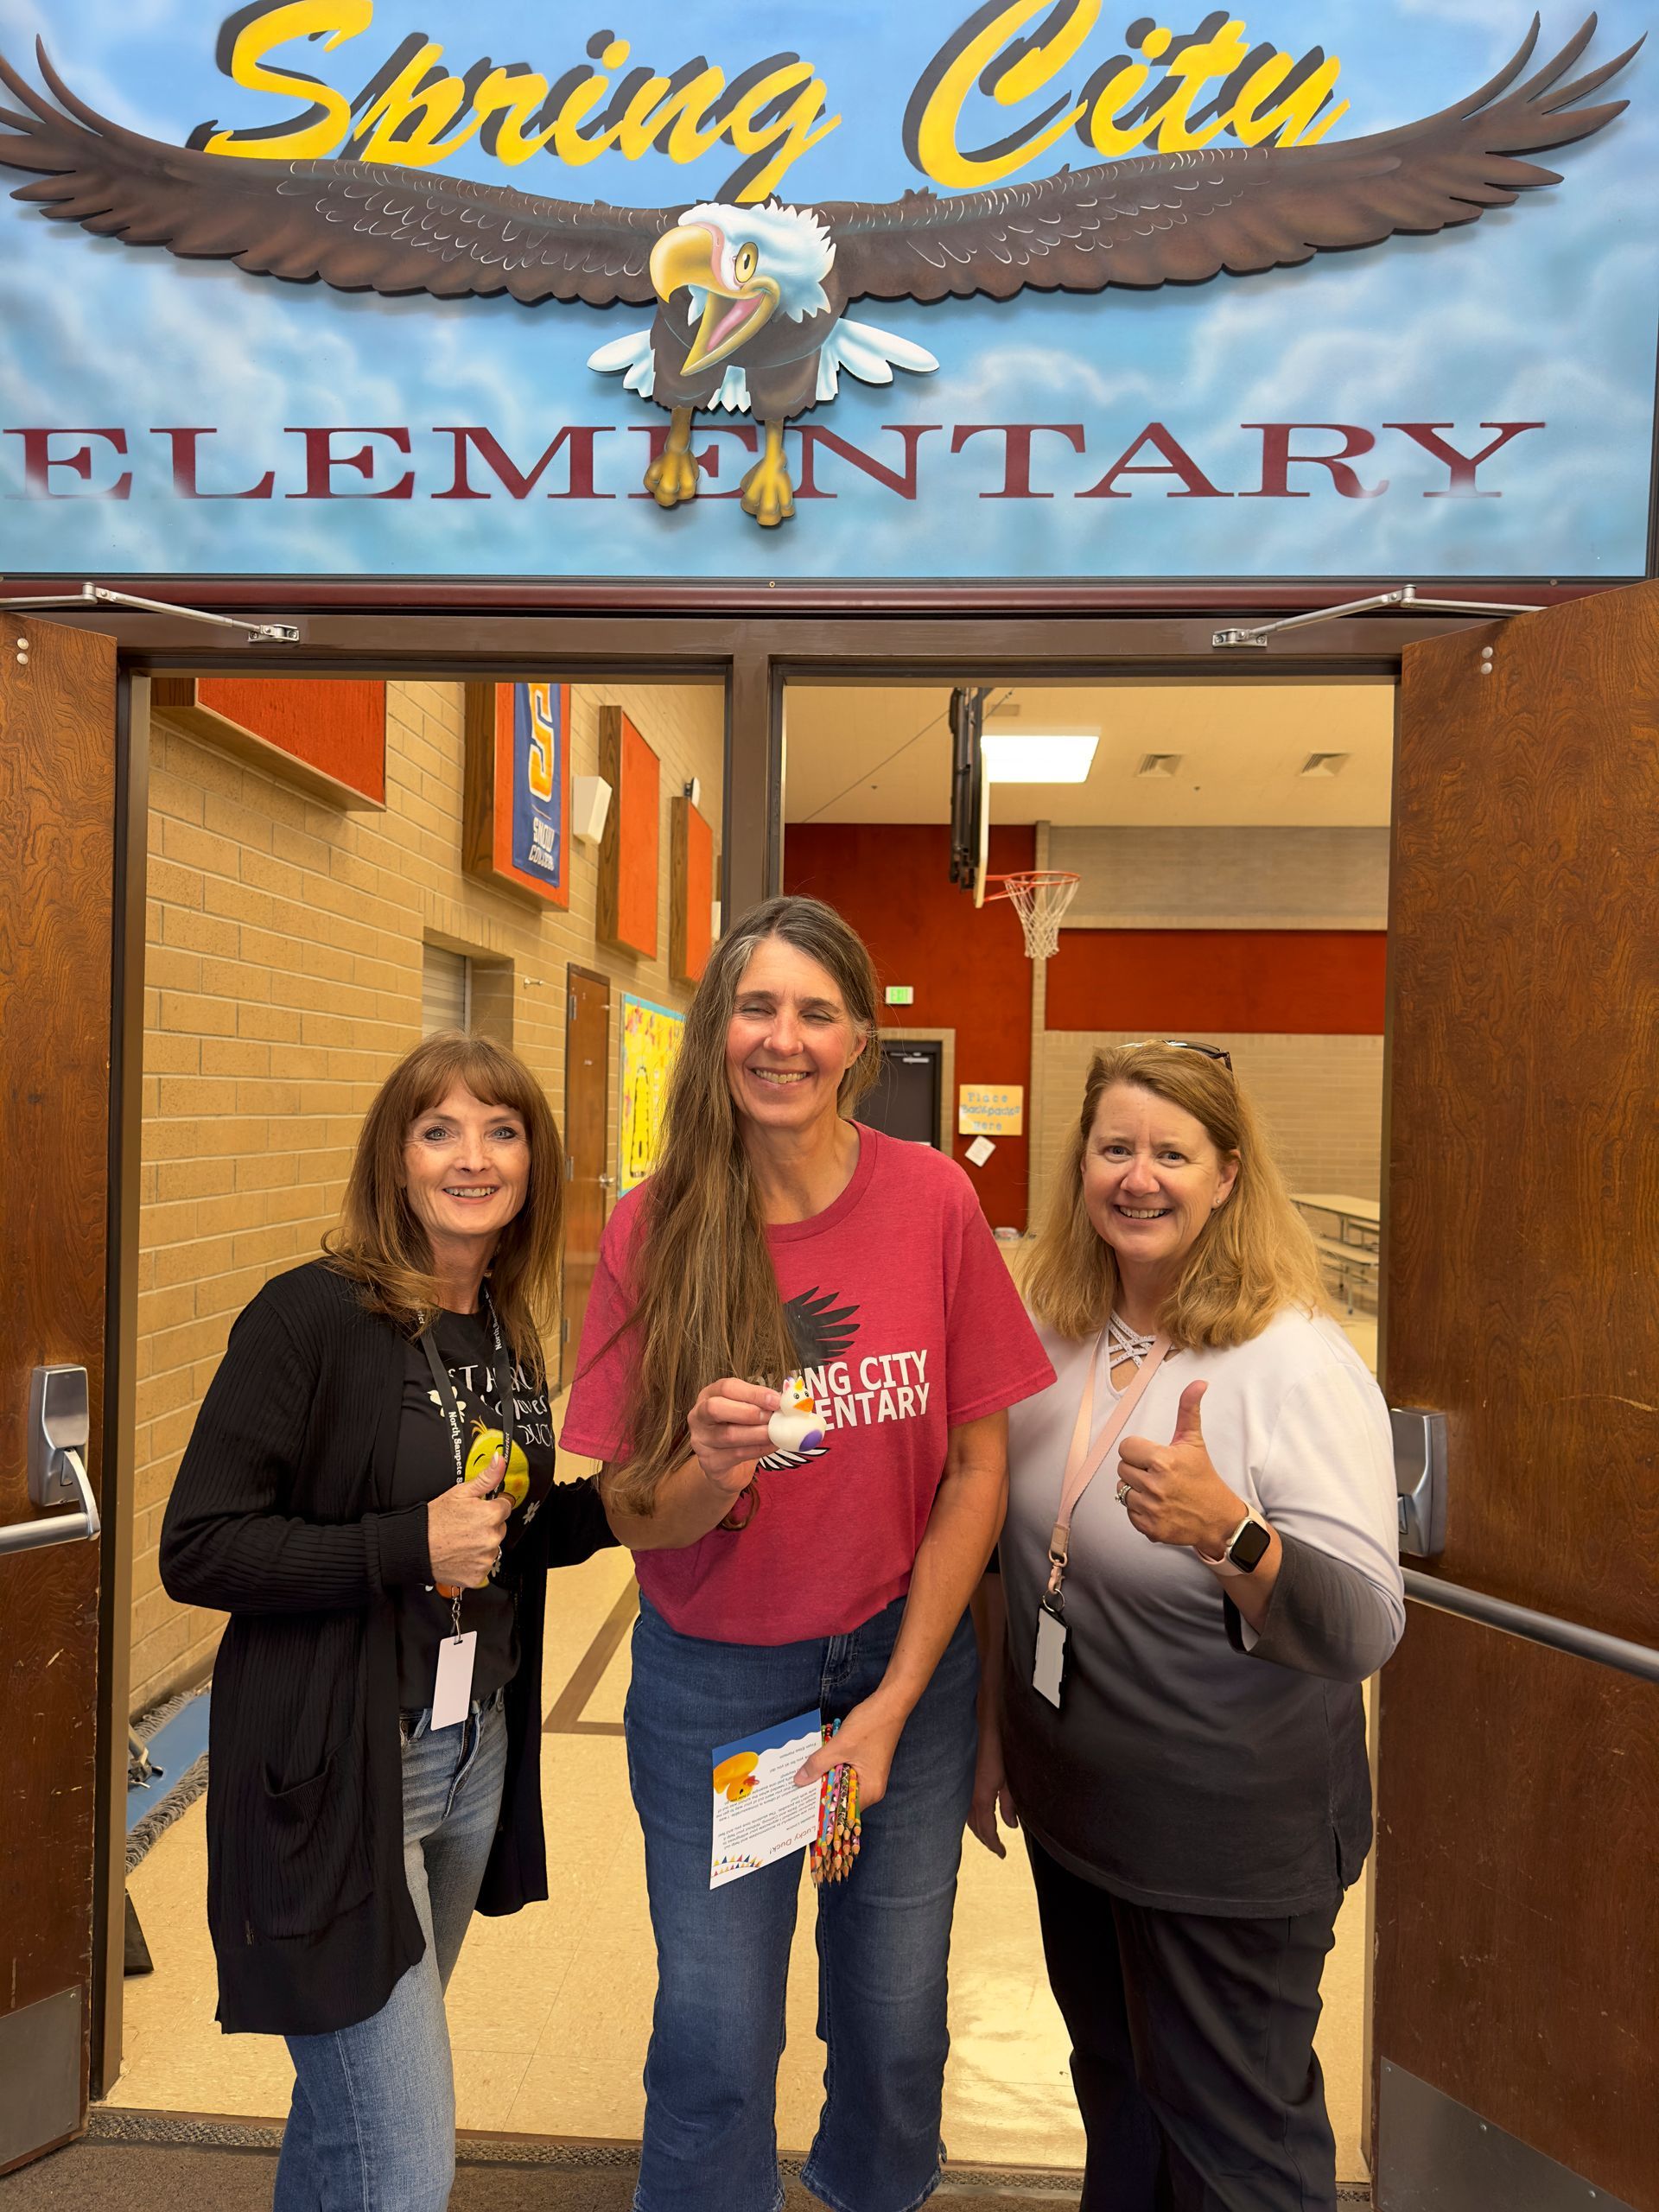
[1185, 1045]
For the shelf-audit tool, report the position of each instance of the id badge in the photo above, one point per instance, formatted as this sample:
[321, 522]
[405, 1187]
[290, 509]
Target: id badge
[1048, 1673]
[452, 1695]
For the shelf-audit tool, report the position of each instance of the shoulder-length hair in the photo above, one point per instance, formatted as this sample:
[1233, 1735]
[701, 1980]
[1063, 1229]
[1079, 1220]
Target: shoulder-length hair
[1254, 1256]
[378, 1241]
[706, 1302]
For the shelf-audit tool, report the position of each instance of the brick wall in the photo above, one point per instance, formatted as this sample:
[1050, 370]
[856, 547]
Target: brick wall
[282, 979]
[1321, 1098]
[1225, 878]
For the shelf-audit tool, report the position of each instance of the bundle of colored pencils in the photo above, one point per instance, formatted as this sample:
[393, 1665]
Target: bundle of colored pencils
[836, 1845]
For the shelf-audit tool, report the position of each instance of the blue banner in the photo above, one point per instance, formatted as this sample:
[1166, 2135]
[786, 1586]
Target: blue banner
[1041, 288]
[538, 766]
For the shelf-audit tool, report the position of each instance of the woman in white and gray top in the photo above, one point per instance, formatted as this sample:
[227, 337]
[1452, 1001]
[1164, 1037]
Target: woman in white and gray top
[1176, 1713]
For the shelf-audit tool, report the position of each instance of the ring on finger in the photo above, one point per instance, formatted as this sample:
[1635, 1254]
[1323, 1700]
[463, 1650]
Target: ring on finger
[1122, 1493]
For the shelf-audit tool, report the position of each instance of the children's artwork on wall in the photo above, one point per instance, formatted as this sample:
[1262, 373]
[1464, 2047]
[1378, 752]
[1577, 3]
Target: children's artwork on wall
[650, 1038]
[691, 891]
[630, 855]
[516, 799]
[325, 735]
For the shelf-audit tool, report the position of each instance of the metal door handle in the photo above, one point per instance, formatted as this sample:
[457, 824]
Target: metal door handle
[606, 1182]
[58, 1429]
[1419, 1480]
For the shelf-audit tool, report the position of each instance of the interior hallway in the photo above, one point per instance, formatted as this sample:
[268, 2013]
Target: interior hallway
[550, 2010]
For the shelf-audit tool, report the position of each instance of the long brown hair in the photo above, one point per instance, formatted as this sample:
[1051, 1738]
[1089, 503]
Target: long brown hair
[1254, 1256]
[381, 1243]
[706, 1300]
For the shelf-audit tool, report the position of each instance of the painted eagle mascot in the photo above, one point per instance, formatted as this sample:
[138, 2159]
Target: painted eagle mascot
[751, 301]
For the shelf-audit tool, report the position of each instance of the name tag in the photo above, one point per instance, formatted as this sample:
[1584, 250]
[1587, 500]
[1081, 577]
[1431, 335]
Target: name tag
[452, 1697]
[1048, 1673]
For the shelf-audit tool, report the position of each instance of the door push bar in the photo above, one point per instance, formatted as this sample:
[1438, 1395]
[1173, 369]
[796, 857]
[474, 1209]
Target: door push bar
[57, 1467]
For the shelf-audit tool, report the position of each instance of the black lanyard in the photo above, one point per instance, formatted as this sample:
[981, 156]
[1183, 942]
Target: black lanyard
[446, 1390]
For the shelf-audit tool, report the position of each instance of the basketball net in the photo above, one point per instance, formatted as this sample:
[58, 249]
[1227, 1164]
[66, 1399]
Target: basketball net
[1039, 897]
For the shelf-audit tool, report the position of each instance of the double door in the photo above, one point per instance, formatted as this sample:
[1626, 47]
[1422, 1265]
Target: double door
[1516, 1980]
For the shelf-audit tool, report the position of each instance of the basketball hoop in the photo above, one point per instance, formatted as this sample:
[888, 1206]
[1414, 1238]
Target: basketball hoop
[1040, 897]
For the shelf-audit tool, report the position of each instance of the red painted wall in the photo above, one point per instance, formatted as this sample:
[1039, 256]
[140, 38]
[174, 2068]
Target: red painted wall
[969, 969]
[1202, 982]
[339, 726]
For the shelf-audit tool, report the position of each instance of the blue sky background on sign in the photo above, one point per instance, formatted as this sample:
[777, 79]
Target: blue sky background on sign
[1544, 312]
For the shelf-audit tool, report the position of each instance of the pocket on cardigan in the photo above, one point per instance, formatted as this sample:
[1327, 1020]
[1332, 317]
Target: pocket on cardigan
[316, 1866]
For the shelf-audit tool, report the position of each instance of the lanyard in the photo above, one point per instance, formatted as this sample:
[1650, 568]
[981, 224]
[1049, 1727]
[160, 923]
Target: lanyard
[447, 1400]
[1082, 1463]
[446, 1390]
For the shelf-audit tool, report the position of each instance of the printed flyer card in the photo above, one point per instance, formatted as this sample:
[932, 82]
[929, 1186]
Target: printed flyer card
[760, 1815]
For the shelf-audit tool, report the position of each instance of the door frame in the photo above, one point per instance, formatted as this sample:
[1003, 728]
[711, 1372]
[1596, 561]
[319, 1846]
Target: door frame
[646, 635]
[946, 1041]
[572, 970]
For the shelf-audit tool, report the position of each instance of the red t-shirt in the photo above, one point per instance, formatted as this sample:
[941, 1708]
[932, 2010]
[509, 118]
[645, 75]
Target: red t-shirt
[906, 1324]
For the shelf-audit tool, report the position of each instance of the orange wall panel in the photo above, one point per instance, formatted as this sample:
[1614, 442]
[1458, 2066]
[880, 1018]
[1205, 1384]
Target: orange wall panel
[891, 881]
[1192, 983]
[340, 728]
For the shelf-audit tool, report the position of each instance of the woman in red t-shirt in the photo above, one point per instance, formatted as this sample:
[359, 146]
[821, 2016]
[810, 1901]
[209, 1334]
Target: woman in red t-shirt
[779, 1238]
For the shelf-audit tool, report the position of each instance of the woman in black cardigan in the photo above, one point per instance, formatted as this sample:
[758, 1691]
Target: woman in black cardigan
[376, 1723]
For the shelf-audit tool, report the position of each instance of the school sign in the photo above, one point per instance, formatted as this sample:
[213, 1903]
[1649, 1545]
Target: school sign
[394, 288]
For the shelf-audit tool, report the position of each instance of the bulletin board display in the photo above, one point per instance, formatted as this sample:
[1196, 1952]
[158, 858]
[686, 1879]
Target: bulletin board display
[651, 1040]
[516, 789]
[630, 853]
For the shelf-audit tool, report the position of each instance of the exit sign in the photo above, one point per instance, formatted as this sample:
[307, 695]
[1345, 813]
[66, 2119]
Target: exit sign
[901, 995]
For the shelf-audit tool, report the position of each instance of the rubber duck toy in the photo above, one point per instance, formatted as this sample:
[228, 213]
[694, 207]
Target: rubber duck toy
[487, 1445]
[798, 1425]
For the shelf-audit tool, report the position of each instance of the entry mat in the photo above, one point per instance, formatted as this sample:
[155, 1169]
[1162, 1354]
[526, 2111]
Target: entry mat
[199, 2163]
[172, 1772]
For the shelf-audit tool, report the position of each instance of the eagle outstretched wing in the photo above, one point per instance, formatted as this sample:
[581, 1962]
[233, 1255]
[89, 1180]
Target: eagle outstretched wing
[819, 1329]
[1179, 218]
[357, 226]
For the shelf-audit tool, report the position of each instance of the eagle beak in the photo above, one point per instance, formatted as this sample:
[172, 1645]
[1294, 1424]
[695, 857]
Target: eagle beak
[687, 257]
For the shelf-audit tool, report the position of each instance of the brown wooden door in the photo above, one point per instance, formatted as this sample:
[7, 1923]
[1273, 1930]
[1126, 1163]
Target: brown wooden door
[1518, 1898]
[59, 886]
[587, 1099]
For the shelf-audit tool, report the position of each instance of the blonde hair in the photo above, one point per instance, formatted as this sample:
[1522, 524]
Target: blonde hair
[1254, 1256]
[705, 1298]
[383, 1247]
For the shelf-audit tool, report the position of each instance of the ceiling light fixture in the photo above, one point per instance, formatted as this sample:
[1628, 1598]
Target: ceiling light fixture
[1057, 758]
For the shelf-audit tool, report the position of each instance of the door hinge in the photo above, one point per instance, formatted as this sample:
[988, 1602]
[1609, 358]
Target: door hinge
[564, 1329]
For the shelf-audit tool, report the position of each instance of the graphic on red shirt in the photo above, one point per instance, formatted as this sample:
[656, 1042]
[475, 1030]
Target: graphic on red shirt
[820, 1330]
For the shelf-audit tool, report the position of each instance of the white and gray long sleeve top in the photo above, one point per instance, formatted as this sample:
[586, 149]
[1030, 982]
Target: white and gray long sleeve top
[1196, 1766]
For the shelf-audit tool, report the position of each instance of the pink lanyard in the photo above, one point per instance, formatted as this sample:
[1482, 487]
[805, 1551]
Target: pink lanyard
[1083, 1464]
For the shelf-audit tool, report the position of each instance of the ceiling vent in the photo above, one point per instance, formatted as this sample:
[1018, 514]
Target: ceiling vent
[1325, 764]
[1159, 764]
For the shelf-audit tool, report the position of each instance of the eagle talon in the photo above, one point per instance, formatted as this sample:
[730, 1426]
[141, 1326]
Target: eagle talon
[672, 477]
[768, 494]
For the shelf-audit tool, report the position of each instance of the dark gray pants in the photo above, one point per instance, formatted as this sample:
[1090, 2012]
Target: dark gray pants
[1192, 2050]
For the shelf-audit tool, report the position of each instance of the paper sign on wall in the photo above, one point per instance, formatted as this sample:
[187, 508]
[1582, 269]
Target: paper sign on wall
[979, 1151]
[990, 1109]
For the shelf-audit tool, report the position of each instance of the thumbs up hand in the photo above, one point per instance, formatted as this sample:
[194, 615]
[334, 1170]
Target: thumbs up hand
[1172, 1492]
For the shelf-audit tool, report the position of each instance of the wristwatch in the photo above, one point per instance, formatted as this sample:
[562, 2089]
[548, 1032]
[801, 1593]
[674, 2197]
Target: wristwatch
[1244, 1549]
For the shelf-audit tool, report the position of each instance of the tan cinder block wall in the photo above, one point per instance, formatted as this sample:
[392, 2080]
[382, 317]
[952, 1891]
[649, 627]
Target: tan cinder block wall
[282, 980]
[1219, 878]
[1321, 1098]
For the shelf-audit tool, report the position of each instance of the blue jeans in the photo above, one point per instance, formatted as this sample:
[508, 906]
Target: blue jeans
[372, 2125]
[722, 1956]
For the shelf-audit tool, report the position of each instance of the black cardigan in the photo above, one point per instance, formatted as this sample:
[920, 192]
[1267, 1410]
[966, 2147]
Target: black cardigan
[279, 1517]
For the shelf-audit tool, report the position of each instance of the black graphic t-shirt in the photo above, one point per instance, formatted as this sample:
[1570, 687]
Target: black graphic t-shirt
[426, 1467]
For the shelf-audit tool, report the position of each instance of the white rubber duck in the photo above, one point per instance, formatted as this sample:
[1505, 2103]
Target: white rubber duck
[797, 1426]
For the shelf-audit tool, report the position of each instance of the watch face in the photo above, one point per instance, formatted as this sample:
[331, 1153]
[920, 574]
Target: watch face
[1249, 1545]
